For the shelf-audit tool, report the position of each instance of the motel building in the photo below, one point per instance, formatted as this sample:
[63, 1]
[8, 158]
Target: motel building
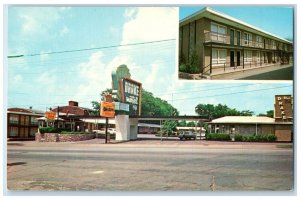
[281, 125]
[217, 44]
[22, 123]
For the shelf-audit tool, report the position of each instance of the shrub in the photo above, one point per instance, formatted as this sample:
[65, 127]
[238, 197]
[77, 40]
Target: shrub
[183, 68]
[238, 138]
[72, 133]
[255, 138]
[52, 130]
[194, 70]
[218, 136]
[271, 138]
[242, 138]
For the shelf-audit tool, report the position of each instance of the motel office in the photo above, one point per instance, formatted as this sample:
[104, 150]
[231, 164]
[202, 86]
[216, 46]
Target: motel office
[217, 41]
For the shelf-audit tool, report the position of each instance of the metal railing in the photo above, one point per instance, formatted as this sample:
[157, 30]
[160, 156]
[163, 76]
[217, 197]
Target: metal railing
[226, 39]
[232, 66]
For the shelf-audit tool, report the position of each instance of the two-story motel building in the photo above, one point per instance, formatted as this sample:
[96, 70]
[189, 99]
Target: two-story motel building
[222, 42]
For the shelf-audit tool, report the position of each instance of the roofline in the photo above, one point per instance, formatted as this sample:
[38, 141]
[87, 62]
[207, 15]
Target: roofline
[220, 14]
[23, 113]
[282, 123]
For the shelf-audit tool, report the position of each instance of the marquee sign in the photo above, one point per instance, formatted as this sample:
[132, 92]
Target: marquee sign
[131, 93]
[283, 107]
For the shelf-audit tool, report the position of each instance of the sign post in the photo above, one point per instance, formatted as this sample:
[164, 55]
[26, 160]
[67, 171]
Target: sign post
[106, 126]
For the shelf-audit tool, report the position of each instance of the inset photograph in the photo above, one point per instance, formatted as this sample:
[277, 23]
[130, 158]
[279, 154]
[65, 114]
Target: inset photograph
[236, 43]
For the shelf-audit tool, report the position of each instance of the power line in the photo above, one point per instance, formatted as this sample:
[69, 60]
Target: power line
[89, 49]
[224, 94]
[230, 93]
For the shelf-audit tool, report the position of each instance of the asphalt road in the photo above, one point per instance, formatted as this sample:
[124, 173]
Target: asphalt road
[136, 168]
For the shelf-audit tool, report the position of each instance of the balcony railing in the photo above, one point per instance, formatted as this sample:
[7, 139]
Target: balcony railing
[226, 39]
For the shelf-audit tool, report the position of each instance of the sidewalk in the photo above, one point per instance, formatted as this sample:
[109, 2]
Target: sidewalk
[140, 143]
[247, 71]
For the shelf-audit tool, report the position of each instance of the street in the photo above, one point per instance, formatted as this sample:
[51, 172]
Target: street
[140, 167]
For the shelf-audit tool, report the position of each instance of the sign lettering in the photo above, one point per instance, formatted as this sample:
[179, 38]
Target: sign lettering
[131, 94]
[107, 109]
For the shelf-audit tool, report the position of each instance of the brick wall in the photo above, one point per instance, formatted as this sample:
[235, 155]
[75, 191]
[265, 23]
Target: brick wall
[283, 133]
[56, 137]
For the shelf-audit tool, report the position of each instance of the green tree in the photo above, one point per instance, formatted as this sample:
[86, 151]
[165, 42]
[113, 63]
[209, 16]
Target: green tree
[96, 104]
[169, 126]
[206, 110]
[211, 111]
[154, 106]
[151, 106]
[191, 124]
[246, 113]
[182, 123]
[269, 113]
[96, 108]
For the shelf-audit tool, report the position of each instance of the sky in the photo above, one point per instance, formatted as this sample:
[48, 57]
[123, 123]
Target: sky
[276, 19]
[50, 72]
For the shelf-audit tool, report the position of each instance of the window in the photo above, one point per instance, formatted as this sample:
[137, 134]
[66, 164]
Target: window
[24, 120]
[218, 56]
[13, 119]
[32, 132]
[248, 56]
[273, 44]
[247, 39]
[218, 32]
[33, 120]
[258, 56]
[13, 131]
[259, 41]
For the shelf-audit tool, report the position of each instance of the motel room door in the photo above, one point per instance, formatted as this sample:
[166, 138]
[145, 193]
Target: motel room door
[238, 58]
[231, 58]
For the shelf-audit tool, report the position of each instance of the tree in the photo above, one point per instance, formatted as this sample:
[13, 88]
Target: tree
[246, 113]
[191, 124]
[96, 108]
[182, 123]
[96, 104]
[154, 106]
[207, 110]
[169, 126]
[269, 113]
[211, 111]
[151, 106]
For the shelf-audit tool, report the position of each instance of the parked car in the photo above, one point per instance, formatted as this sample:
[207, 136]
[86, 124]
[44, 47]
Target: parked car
[101, 131]
[112, 131]
[187, 135]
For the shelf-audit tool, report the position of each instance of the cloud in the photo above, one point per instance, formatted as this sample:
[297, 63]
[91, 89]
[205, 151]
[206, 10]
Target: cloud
[37, 21]
[149, 24]
[130, 13]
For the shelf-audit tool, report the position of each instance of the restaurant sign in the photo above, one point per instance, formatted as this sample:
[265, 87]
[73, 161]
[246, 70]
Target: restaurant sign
[50, 115]
[107, 109]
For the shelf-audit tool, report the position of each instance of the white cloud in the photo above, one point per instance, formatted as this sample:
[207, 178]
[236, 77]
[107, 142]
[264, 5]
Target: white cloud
[130, 13]
[40, 20]
[149, 24]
